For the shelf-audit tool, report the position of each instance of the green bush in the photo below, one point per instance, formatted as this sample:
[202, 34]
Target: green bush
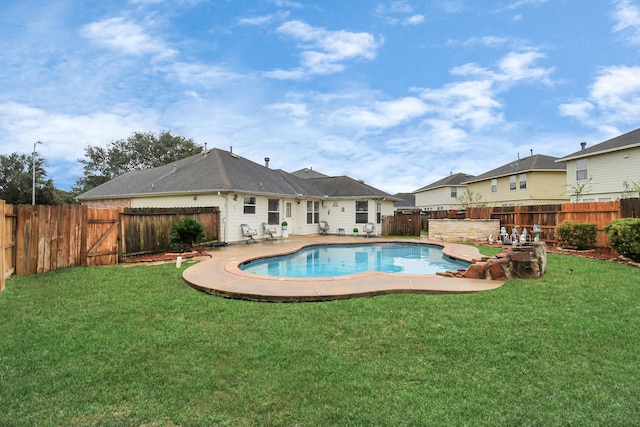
[577, 235]
[186, 233]
[624, 237]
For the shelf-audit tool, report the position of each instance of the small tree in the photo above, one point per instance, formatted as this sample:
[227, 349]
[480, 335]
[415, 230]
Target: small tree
[631, 189]
[469, 199]
[186, 233]
[579, 189]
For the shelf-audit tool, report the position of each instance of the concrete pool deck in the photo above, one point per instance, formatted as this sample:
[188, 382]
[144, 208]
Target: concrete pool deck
[221, 276]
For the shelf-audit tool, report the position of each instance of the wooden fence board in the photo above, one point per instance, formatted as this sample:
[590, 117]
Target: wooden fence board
[146, 230]
[7, 242]
[630, 208]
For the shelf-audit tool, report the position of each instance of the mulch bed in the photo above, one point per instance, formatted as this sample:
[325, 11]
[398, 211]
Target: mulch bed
[166, 256]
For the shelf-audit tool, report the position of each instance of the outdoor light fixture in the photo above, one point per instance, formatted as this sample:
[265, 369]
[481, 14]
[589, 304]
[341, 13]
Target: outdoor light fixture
[33, 167]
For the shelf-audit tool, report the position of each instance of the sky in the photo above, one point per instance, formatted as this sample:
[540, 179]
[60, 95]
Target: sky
[397, 93]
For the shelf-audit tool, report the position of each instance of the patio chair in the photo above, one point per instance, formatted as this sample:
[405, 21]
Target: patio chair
[249, 233]
[369, 229]
[324, 227]
[269, 231]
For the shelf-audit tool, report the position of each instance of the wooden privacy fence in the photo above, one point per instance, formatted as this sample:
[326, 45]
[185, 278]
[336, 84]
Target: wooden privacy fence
[147, 230]
[402, 225]
[38, 238]
[53, 237]
[7, 242]
[550, 216]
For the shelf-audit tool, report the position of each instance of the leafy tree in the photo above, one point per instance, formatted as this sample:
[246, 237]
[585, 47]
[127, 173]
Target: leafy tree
[579, 189]
[16, 180]
[142, 150]
[469, 199]
[631, 189]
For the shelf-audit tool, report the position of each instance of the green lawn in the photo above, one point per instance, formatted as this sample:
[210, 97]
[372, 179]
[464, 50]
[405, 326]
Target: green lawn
[137, 346]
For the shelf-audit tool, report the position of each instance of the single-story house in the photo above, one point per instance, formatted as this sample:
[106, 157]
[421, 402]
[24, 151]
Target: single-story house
[406, 204]
[533, 180]
[443, 194]
[248, 193]
[605, 171]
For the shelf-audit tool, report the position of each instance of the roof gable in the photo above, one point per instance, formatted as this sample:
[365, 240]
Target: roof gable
[622, 142]
[535, 163]
[453, 179]
[219, 170]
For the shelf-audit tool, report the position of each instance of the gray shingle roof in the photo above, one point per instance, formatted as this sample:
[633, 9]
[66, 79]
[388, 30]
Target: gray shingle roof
[537, 162]
[220, 170]
[453, 179]
[627, 140]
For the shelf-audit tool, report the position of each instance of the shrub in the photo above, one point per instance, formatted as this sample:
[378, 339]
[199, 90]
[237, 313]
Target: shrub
[186, 233]
[577, 235]
[624, 237]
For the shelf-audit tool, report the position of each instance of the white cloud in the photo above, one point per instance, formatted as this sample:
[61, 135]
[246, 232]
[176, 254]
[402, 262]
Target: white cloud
[264, 19]
[614, 97]
[627, 17]
[414, 20]
[383, 114]
[125, 36]
[324, 51]
[512, 68]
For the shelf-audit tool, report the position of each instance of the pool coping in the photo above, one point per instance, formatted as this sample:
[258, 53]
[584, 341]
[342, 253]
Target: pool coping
[221, 276]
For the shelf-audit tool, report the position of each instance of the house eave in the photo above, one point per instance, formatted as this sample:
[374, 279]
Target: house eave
[578, 155]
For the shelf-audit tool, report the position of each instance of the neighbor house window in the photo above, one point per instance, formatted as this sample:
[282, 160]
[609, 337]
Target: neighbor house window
[249, 205]
[362, 211]
[523, 181]
[313, 212]
[273, 214]
[454, 192]
[581, 170]
[494, 185]
[287, 210]
[512, 182]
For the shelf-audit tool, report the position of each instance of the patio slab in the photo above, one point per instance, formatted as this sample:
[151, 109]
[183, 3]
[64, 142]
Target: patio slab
[221, 276]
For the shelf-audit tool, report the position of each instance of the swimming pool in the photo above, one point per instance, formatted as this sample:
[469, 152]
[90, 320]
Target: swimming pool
[346, 259]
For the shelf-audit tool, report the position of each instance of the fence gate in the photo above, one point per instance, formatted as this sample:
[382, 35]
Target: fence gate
[101, 237]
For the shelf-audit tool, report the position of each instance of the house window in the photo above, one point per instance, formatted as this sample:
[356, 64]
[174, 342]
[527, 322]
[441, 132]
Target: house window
[313, 212]
[454, 192]
[494, 185]
[523, 181]
[249, 205]
[273, 214]
[362, 211]
[287, 210]
[581, 170]
[378, 212]
[512, 182]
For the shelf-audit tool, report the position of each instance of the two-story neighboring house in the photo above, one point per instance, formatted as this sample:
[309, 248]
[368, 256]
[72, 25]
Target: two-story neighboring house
[606, 171]
[248, 193]
[533, 180]
[442, 194]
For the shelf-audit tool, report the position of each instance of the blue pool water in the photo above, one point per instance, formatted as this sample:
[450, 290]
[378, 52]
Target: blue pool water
[343, 260]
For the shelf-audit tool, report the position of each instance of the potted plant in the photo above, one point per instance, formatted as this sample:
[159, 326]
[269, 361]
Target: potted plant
[355, 231]
[285, 229]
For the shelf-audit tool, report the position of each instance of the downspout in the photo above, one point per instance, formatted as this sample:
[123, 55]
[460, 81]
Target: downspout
[225, 224]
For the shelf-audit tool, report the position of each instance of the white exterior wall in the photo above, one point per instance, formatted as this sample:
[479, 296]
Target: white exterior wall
[338, 213]
[608, 172]
[439, 198]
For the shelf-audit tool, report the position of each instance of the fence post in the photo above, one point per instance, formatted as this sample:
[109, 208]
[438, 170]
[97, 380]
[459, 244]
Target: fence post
[2, 245]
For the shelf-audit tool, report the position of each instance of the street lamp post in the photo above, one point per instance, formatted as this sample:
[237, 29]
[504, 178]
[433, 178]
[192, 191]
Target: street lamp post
[33, 167]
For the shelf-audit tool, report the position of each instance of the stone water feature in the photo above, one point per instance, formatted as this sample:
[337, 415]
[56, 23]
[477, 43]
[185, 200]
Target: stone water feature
[518, 262]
